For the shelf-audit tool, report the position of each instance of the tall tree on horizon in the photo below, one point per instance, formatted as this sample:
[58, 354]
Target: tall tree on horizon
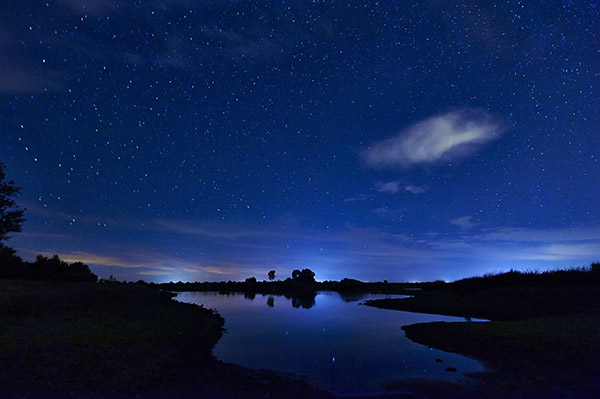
[11, 217]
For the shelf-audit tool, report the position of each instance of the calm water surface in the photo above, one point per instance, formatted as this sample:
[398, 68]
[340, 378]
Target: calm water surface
[334, 342]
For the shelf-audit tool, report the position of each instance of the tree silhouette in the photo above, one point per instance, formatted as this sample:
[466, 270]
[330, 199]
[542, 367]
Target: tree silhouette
[304, 276]
[11, 217]
[271, 275]
[54, 268]
[10, 263]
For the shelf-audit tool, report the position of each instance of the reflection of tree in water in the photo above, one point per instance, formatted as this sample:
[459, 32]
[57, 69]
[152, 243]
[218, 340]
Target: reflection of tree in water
[306, 300]
[353, 296]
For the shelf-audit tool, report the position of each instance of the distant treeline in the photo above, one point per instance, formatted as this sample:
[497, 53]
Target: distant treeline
[44, 268]
[563, 277]
[581, 276]
[290, 285]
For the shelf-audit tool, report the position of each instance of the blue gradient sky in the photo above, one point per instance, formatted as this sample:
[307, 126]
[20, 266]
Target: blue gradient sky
[180, 140]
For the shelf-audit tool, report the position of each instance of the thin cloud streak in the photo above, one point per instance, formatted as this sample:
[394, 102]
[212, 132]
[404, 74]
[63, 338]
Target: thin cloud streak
[95, 259]
[576, 233]
[416, 189]
[359, 198]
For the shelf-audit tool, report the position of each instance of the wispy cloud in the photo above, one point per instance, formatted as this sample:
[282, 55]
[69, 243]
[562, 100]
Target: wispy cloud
[217, 231]
[149, 264]
[464, 222]
[390, 187]
[440, 138]
[416, 189]
[558, 235]
[154, 273]
[393, 187]
[217, 270]
[15, 79]
[95, 259]
[359, 198]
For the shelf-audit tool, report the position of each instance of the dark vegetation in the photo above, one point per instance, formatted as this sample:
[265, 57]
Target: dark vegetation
[508, 296]
[11, 216]
[300, 281]
[113, 340]
[552, 278]
[542, 342]
[44, 268]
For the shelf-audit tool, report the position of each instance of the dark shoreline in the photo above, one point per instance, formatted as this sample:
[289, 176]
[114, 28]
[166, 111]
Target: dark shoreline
[541, 342]
[292, 287]
[110, 340]
[113, 340]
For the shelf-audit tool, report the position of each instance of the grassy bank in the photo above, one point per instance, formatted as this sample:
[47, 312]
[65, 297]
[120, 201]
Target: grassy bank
[542, 342]
[114, 340]
[499, 303]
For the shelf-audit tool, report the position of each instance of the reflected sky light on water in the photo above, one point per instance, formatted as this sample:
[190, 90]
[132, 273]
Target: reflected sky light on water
[336, 343]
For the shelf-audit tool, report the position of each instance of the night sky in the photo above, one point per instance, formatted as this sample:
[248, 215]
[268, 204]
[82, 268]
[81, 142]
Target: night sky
[215, 140]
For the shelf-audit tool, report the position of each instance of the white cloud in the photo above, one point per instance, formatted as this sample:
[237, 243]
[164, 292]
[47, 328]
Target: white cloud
[416, 189]
[440, 138]
[390, 187]
[464, 222]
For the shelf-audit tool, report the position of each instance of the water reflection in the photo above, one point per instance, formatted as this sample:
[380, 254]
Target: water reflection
[327, 337]
[353, 296]
[304, 300]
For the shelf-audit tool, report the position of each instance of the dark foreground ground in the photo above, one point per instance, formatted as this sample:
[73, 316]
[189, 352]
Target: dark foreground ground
[90, 340]
[542, 342]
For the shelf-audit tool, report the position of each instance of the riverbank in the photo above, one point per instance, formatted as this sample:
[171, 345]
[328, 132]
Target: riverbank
[541, 342]
[292, 287]
[90, 340]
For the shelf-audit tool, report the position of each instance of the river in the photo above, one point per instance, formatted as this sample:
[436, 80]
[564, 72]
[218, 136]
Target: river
[328, 338]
